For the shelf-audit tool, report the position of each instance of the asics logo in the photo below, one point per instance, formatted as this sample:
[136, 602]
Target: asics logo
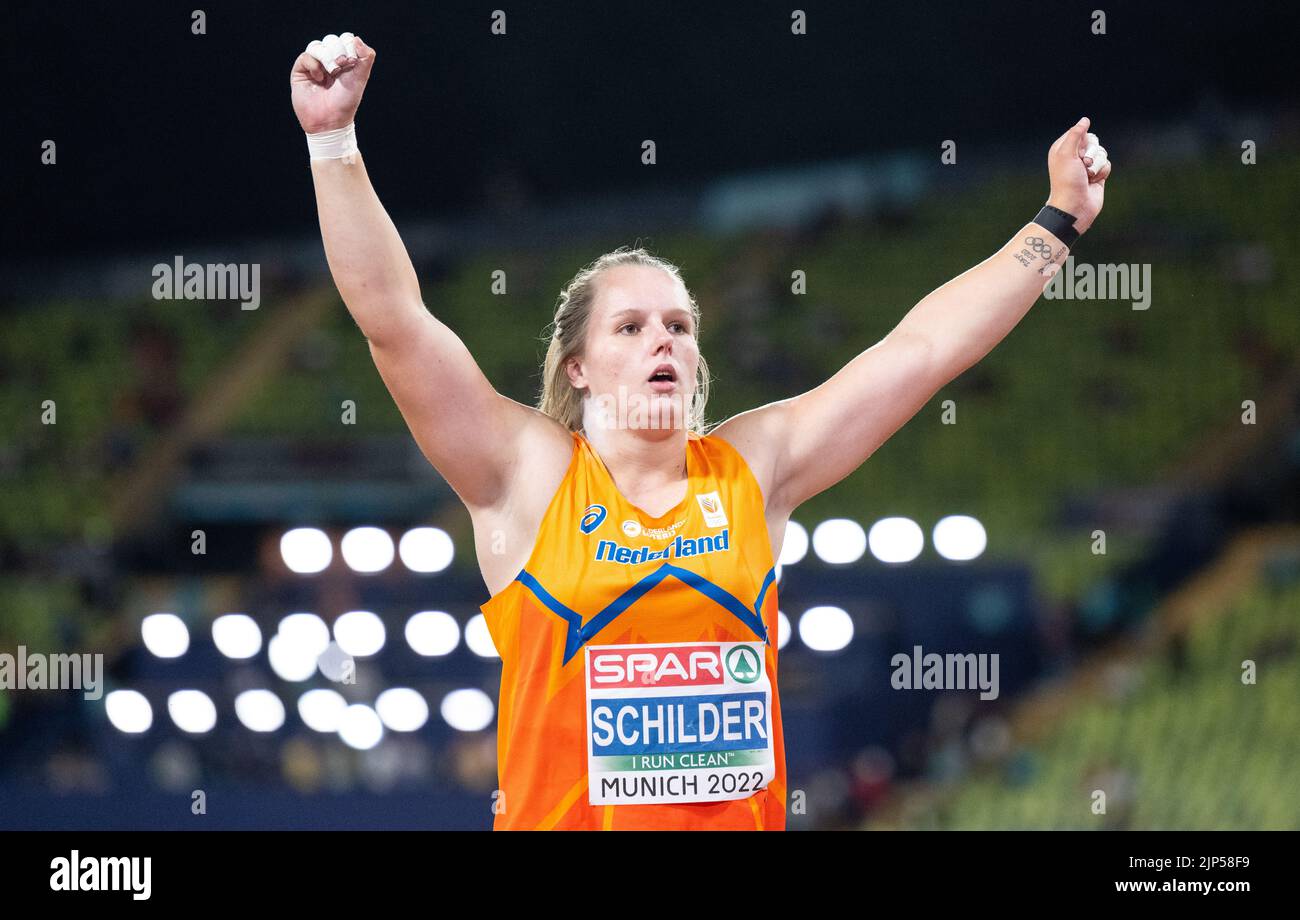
[591, 518]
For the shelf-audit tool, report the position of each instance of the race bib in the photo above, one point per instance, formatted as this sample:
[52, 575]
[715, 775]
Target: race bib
[677, 722]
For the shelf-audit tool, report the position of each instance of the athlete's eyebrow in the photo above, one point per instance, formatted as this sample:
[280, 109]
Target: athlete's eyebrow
[637, 311]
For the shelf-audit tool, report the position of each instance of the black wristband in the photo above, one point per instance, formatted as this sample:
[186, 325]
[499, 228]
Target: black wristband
[1058, 222]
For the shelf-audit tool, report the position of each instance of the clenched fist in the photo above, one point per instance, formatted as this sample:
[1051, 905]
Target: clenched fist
[1078, 167]
[327, 82]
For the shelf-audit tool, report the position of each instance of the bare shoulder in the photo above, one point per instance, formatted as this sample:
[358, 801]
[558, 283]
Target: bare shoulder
[544, 449]
[506, 531]
[757, 435]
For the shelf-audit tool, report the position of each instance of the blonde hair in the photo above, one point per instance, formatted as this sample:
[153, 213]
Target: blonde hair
[567, 334]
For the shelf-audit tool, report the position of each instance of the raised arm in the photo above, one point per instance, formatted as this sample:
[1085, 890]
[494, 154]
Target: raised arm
[469, 432]
[802, 446]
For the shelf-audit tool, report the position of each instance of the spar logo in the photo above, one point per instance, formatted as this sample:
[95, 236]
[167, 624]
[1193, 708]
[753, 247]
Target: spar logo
[591, 518]
[743, 665]
[657, 666]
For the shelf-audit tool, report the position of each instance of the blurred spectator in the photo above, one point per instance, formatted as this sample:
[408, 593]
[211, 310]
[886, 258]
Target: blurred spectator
[152, 400]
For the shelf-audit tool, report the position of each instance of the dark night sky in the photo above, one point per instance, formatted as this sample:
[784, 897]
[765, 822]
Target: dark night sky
[168, 137]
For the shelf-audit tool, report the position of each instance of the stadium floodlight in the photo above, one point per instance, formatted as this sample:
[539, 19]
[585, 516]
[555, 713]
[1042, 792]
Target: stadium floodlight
[896, 540]
[128, 711]
[839, 541]
[193, 711]
[795, 545]
[367, 549]
[479, 639]
[259, 710]
[360, 633]
[236, 635]
[360, 727]
[402, 709]
[782, 629]
[307, 631]
[306, 550]
[426, 549]
[825, 629]
[467, 710]
[289, 660]
[321, 710]
[959, 537]
[165, 634]
[432, 633]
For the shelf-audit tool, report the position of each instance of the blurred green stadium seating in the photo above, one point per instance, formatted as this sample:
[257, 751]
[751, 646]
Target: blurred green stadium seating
[58, 479]
[78, 354]
[1187, 744]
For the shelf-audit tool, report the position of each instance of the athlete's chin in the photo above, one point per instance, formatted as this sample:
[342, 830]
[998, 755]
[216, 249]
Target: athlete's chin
[658, 412]
[653, 406]
[670, 407]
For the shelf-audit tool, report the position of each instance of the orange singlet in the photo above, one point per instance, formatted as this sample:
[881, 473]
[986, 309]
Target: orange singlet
[638, 685]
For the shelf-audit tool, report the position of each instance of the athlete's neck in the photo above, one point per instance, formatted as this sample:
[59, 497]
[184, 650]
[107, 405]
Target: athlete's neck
[640, 460]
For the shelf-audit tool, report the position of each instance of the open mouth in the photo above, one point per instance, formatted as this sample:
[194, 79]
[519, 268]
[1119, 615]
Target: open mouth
[663, 374]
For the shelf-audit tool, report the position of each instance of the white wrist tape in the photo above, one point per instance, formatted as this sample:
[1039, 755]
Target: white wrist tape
[331, 145]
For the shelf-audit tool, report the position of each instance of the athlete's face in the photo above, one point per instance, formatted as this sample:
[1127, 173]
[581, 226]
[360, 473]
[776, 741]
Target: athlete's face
[640, 343]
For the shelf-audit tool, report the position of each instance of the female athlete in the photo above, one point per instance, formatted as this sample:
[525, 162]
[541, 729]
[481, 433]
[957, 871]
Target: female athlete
[629, 549]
